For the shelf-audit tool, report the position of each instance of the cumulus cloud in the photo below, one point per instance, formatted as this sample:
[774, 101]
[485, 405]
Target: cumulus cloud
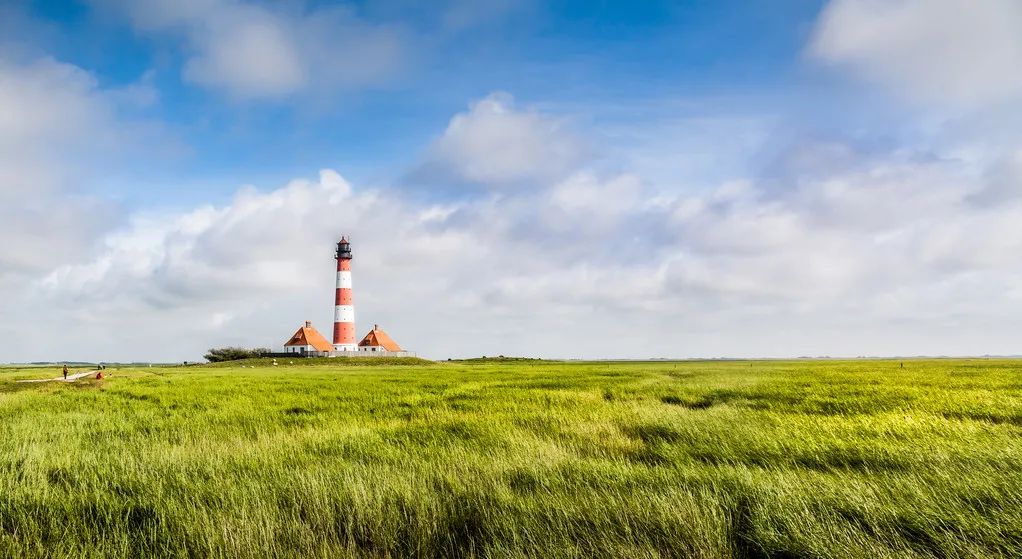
[56, 127]
[959, 52]
[495, 143]
[207, 253]
[258, 51]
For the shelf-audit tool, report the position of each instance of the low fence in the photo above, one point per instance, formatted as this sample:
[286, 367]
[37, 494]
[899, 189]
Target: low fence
[368, 354]
[341, 354]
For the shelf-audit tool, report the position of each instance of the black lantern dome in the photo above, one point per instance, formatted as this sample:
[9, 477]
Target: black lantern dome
[343, 250]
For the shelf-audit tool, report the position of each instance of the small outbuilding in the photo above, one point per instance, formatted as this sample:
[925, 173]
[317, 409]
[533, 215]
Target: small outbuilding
[307, 340]
[377, 340]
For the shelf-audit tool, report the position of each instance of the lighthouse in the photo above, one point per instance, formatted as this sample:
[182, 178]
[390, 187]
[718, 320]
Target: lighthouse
[344, 308]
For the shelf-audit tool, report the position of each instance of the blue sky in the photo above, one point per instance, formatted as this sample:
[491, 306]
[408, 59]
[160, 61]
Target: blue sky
[756, 178]
[632, 59]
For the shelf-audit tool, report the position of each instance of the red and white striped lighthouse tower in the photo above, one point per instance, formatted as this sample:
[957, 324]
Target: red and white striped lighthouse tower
[344, 308]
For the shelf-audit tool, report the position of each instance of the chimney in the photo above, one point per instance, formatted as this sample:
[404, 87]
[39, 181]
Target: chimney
[308, 324]
[376, 326]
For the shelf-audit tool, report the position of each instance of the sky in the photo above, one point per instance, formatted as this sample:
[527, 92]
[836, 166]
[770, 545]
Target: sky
[565, 179]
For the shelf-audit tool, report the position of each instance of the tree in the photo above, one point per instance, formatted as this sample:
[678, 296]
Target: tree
[219, 354]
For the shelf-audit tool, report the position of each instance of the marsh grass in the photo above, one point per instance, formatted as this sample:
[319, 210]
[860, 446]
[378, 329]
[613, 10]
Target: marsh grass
[517, 459]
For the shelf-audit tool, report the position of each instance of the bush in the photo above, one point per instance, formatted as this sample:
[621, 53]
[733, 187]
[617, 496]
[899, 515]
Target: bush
[219, 354]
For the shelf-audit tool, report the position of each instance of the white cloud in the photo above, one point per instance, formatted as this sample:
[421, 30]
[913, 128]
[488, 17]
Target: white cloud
[497, 144]
[51, 110]
[251, 50]
[958, 52]
[57, 127]
[248, 54]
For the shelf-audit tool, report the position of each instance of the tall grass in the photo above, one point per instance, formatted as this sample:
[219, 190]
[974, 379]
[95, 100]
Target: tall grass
[518, 459]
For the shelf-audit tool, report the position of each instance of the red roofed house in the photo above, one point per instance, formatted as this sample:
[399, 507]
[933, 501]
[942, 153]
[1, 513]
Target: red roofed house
[307, 340]
[378, 340]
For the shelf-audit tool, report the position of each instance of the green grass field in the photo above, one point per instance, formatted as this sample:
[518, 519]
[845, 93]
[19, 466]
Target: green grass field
[517, 459]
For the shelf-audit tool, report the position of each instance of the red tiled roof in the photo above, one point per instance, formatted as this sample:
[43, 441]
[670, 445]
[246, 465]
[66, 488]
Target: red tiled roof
[379, 338]
[307, 335]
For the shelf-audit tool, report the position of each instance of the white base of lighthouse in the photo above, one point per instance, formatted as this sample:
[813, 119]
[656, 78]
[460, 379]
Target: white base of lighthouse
[346, 347]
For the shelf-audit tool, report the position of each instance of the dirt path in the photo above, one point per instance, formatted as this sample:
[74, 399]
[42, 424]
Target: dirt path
[70, 378]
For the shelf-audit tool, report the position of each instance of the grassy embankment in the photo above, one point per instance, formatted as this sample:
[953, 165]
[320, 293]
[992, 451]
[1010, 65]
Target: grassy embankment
[710, 459]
